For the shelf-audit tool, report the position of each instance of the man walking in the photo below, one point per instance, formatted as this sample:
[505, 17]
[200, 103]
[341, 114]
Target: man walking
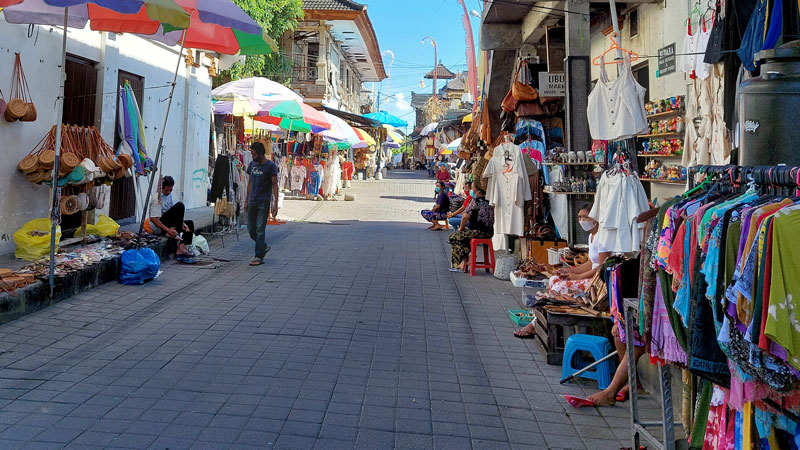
[261, 193]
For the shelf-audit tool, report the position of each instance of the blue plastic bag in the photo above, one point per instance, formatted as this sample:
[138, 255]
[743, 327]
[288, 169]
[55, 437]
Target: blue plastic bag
[139, 266]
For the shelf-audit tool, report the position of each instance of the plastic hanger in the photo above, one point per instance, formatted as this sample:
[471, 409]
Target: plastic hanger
[599, 60]
[695, 11]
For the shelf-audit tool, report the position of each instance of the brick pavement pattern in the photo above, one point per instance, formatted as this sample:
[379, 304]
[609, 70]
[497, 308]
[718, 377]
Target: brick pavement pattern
[352, 335]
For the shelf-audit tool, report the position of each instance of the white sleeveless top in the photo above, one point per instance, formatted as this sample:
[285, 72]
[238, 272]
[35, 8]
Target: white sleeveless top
[616, 108]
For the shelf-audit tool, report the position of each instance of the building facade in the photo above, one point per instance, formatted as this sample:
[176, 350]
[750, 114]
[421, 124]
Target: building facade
[97, 63]
[334, 51]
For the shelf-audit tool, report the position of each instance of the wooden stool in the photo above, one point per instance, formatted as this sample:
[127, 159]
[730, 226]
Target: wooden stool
[488, 255]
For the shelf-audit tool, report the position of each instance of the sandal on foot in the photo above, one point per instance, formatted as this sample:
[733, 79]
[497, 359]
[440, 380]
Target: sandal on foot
[524, 334]
[257, 262]
[578, 402]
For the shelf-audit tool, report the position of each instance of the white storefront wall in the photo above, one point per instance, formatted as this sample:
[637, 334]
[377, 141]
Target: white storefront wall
[185, 155]
[659, 26]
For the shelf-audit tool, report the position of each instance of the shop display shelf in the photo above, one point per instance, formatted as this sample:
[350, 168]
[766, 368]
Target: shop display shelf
[520, 317]
[654, 180]
[656, 155]
[572, 164]
[568, 193]
[659, 135]
[674, 112]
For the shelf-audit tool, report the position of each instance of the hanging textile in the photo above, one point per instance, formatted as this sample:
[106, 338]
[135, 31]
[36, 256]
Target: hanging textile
[507, 190]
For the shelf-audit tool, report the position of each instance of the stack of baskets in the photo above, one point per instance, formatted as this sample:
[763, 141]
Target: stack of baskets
[20, 105]
[85, 157]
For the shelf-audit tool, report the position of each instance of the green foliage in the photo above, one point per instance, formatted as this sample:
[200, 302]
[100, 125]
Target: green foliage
[404, 149]
[276, 17]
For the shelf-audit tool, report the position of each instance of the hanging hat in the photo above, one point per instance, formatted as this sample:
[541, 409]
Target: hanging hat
[83, 201]
[69, 205]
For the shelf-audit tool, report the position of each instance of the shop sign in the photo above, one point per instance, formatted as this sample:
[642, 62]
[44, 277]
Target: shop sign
[552, 84]
[666, 60]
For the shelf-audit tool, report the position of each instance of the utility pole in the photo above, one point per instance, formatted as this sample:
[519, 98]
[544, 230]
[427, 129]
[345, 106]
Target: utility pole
[435, 60]
[389, 73]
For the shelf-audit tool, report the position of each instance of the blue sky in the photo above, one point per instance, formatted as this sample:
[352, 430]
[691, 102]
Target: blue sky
[399, 26]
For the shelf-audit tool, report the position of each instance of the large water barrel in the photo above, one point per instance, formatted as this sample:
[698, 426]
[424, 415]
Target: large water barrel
[769, 109]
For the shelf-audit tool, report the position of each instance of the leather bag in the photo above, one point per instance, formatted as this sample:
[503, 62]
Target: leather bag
[521, 91]
[529, 109]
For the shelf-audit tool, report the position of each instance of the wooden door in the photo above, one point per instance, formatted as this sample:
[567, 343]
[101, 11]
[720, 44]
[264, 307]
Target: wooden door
[122, 205]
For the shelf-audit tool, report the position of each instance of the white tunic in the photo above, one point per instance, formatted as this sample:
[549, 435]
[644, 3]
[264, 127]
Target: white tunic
[619, 201]
[616, 108]
[507, 190]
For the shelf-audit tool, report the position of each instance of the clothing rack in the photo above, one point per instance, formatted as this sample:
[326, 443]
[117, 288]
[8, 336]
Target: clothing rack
[782, 180]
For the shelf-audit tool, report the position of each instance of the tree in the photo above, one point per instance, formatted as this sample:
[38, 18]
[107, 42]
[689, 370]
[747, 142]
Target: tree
[276, 17]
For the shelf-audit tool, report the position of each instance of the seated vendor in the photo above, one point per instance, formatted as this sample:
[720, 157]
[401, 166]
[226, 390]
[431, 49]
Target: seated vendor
[439, 210]
[454, 217]
[166, 219]
[571, 280]
[477, 222]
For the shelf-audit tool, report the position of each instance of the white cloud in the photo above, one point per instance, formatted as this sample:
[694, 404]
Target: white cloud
[399, 102]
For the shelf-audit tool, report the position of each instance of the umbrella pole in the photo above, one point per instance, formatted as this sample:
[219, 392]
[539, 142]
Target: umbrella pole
[160, 142]
[55, 198]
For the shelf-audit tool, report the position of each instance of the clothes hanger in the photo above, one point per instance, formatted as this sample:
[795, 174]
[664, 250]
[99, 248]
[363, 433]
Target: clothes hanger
[599, 60]
[695, 11]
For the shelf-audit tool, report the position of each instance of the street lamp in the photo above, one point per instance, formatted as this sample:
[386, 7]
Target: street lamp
[435, 60]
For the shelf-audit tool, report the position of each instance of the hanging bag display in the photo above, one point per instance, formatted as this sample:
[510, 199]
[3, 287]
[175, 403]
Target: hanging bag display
[20, 106]
[523, 92]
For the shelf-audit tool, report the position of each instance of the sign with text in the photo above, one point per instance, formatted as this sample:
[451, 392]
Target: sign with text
[552, 84]
[666, 60]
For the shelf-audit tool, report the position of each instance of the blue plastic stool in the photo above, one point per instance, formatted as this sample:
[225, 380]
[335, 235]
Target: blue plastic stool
[599, 347]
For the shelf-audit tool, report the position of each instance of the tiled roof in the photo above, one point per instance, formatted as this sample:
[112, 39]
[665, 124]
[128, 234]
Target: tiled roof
[459, 83]
[442, 73]
[332, 5]
[419, 100]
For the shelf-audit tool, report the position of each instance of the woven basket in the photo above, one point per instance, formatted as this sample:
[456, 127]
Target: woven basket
[36, 177]
[104, 165]
[15, 109]
[126, 160]
[47, 158]
[69, 161]
[114, 163]
[30, 115]
[69, 205]
[29, 164]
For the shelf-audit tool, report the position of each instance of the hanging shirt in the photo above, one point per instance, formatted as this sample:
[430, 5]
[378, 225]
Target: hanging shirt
[783, 318]
[616, 108]
[507, 190]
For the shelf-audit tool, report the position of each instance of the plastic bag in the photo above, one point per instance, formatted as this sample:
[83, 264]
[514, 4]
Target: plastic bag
[104, 227]
[201, 244]
[139, 266]
[33, 239]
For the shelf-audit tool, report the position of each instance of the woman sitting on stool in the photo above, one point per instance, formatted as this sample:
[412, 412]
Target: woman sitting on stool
[477, 222]
[439, 210]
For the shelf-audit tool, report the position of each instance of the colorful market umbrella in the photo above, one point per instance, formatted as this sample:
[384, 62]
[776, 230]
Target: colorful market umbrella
[287, 124]
[79, 12]
[365, 137]
[340, 131]
[239, 107]
[296, 110]
[452, 147]
[395, 137]
[387, 119]
[258, 89]
[429, 128]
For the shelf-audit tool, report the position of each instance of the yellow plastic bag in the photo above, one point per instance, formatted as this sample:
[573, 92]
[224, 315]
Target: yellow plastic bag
[105, 227]
[33, 239]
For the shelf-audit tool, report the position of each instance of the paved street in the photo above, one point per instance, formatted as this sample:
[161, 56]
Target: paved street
[352, 335]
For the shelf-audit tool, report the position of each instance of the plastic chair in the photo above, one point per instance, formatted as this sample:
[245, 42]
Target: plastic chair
[599, 347]
[488, 255]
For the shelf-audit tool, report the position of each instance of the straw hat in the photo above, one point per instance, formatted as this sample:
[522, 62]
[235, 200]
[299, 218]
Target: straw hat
[83, 201]
[69, 205]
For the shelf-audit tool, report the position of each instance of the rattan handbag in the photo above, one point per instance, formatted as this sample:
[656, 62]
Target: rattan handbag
[20, 106]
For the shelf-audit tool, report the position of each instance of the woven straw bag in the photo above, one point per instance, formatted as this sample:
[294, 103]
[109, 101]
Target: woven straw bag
[20, 105]
[29, 164]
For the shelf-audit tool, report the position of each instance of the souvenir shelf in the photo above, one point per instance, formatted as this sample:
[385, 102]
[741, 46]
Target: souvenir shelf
[654, 180]
[656, 155]
[572, 164]
[665, 114]
[660, 135]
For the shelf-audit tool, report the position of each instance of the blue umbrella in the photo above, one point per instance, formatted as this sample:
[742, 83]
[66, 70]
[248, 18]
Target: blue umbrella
[386, 118]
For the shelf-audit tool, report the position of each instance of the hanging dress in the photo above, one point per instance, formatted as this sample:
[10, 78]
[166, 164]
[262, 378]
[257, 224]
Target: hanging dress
[616, 108]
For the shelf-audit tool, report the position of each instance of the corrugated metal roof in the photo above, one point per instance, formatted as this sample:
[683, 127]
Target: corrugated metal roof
[332, 5]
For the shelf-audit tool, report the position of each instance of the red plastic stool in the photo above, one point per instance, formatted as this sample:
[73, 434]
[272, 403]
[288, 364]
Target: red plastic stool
[488, 255]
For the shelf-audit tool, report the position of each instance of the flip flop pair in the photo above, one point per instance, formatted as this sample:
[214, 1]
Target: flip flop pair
[185, 259]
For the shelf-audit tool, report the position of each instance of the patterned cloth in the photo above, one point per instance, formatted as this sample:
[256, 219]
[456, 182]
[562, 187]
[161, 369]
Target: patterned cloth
[460, 243]
[569, 287]
[430, 216]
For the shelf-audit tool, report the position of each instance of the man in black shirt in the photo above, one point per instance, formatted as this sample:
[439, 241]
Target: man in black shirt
[262, 193]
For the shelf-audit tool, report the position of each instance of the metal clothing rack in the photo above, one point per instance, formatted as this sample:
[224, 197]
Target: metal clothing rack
[641, 429]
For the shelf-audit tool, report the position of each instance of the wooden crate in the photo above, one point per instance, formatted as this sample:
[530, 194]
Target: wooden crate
[553, 330]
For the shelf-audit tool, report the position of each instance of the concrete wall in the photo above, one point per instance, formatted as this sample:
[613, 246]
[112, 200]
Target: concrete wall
[185, 154]
[660, 24]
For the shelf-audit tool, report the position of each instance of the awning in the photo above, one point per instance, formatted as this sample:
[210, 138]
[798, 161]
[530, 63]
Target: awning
[353, 119]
